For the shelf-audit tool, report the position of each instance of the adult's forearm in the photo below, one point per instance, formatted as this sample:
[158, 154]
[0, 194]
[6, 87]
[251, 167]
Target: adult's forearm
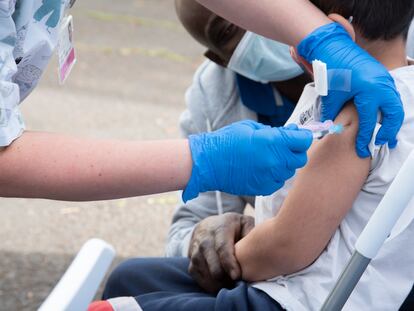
[288, 21]
[51, 166]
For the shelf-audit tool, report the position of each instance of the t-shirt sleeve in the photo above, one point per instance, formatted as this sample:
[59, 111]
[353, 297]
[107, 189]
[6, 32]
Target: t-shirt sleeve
[11, 122]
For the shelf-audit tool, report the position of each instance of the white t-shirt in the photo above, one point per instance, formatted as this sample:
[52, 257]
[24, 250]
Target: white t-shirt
[28, 36]
[390, 276]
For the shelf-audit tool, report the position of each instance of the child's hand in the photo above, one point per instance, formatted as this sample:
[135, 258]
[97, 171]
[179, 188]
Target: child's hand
[212, 257]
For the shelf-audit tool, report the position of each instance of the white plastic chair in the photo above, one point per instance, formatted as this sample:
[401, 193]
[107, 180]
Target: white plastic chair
[78, 286]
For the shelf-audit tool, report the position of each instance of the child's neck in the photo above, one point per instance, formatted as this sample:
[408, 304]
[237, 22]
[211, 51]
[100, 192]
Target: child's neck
[392, 54]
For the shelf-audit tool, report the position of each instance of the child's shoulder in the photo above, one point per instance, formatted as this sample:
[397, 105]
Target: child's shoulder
[405, 73]
[404, 81]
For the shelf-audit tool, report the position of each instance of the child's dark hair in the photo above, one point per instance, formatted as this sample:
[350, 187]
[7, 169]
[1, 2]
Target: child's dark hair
[374, 19]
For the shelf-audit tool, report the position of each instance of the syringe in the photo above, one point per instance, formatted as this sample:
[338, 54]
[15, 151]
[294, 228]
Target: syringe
[321, 129]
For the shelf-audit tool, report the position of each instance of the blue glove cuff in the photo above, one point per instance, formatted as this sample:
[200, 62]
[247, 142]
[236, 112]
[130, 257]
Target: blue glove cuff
[319, 36]
[201, 170]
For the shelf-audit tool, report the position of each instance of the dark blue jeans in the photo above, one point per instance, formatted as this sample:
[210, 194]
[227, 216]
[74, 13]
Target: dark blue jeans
[164, 284]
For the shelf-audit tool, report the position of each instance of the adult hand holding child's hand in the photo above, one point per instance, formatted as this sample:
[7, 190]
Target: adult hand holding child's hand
[212, 258]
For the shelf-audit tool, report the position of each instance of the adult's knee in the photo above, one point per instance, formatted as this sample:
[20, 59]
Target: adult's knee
[121, 280]
[139, 276]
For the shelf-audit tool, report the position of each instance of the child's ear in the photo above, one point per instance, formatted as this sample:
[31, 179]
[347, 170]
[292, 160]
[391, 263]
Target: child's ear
[344, 23]
[300, 60]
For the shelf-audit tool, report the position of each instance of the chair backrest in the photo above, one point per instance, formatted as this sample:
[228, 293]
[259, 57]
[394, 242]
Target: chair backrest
[78, 286]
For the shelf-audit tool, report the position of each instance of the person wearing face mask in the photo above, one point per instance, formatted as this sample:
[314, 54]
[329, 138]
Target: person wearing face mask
[197, 231]
[246, 76]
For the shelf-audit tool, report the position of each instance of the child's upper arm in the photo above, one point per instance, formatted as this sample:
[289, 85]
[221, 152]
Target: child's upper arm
[322, 194]
[323, 191]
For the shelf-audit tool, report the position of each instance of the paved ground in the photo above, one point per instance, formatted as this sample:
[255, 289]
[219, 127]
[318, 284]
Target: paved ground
[135, 62]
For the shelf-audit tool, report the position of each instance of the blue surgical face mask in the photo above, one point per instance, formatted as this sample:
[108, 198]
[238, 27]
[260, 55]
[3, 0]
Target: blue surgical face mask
[263, 60]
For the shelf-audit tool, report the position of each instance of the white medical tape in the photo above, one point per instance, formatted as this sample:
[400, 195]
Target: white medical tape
[320, 75]
[340, 80]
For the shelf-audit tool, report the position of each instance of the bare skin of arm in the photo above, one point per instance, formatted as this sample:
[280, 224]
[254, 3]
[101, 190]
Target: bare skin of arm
[271, 17]
[52, 166]
[322, 194]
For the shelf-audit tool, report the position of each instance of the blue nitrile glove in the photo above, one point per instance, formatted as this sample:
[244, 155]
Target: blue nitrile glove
[246, 158]
[371, 86]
